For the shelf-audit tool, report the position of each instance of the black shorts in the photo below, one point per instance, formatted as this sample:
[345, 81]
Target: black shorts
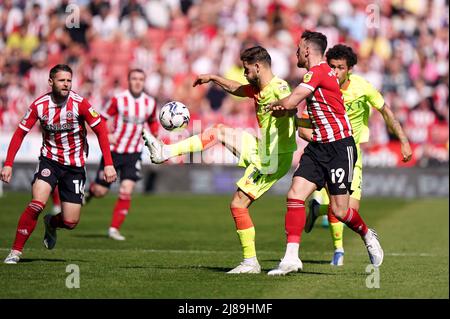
[329, 163]
[70, 179]
[128, 165]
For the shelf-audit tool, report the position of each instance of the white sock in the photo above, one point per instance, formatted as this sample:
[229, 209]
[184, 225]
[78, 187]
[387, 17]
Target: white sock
[251, 260]
[291, 251]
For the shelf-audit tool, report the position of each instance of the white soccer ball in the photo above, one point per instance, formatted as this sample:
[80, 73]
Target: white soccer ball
[174, 116]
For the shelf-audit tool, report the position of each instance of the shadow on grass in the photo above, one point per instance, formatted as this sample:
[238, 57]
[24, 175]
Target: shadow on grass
[102, 236]
[29, 260]
[196, 267]
[317, 262]
[305, 261]
[316, 273]
[264, 271]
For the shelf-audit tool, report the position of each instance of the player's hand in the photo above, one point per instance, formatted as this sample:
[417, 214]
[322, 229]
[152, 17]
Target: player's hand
[6, 174]
[273, 107]
[406, 152]
[279, 113]
[201, 79]
[110, 174]
[112, 139]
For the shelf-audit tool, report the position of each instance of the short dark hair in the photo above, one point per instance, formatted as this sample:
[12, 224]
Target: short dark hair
[256, 54]
[317, 38]
[135, 70]
[342, 52]
[59, 67]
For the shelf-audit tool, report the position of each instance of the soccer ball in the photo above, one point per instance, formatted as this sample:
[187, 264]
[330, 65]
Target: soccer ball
[174, 116]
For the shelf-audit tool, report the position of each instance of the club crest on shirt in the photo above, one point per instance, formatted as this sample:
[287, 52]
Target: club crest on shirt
[307, 77]
[69, 115]
[45, 172]
[283, 88]
[93, 112]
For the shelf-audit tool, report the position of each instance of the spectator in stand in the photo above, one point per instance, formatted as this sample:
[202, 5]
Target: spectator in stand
[105, 23]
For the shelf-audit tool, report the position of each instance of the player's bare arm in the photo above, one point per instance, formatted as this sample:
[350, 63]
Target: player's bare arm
[304, 127]
[229, 86]
[305, 134]
[395, 126]
[112, 139]
[291, 101]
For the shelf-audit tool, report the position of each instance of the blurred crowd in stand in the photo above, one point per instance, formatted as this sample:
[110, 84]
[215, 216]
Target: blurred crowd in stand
[402, 46]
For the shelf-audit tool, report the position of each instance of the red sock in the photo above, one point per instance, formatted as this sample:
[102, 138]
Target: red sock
[55, 197]
[58, 221]
[121, 210]
[242, 218]
[27, 223]
[295, 220]
[331, 217]
[354, 221]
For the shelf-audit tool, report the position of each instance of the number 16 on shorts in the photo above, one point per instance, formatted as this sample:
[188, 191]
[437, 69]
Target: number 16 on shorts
[79, 186]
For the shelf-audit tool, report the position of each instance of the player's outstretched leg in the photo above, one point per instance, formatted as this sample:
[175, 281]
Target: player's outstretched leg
[25, 227]
[160, 152]
[157, 149]
[337, 232]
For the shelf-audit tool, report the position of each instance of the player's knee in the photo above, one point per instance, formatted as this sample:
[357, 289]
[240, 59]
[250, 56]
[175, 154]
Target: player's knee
[293, 194]
[237, 204]
[240, 201]
[126, 190]
[70, 223]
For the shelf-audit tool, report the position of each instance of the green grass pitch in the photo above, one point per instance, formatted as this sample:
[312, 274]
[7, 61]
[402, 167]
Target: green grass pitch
[180, 246]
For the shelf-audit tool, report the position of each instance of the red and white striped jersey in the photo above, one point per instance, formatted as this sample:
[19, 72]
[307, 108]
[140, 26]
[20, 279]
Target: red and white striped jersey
[130, 115]
[63, 128]
[326, 105]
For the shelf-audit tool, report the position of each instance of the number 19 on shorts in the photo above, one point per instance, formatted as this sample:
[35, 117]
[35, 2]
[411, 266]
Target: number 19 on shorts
[339, 173]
